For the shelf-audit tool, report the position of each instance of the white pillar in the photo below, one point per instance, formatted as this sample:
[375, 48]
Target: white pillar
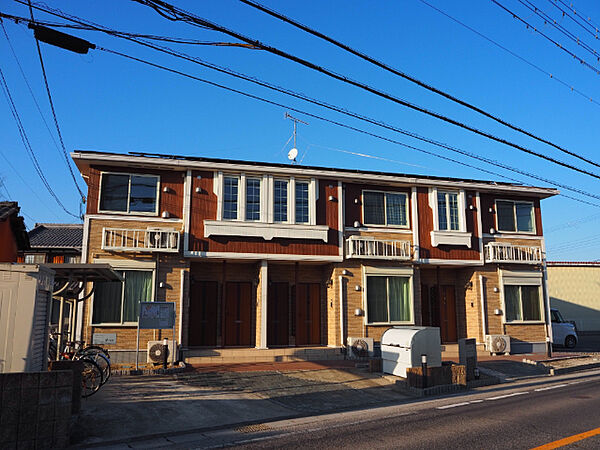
[264, 288]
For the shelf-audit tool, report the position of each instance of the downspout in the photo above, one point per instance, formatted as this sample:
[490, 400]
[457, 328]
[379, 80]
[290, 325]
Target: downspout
[549, 337]
[483, 308]
[341, 282]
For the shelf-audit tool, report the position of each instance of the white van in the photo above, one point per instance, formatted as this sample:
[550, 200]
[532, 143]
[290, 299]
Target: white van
[563, 332]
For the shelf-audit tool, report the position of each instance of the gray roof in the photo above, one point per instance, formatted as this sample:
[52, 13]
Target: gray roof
[56, 235]
[7, 209]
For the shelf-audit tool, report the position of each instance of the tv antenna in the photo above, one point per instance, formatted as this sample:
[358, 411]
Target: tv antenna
[293, 153]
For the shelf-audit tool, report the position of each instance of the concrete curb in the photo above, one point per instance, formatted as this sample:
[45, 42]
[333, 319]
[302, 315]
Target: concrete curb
[564, 370]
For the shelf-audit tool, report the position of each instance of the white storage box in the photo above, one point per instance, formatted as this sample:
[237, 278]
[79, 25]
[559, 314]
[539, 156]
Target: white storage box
[402, 347]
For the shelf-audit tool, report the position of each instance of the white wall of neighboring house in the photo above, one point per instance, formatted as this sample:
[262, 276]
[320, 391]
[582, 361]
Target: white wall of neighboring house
[575, 291]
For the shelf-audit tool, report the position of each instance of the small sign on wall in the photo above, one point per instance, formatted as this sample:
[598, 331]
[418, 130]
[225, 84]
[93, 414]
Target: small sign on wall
[104, 338]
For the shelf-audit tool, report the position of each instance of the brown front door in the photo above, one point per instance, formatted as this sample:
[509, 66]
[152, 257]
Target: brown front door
[308, 314]
[237, 314]
[203, 314]
[278, 314]
[448, 314]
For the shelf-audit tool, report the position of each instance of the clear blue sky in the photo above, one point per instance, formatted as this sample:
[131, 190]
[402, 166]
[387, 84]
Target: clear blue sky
[104, 102]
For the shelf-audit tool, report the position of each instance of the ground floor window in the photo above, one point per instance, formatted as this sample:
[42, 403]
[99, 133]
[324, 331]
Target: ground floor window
[522, 303]
[388, 299]
[118, 303]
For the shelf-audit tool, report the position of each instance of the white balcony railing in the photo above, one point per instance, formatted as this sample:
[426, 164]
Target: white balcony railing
[369, 247]
[140, 240]
[509, 253]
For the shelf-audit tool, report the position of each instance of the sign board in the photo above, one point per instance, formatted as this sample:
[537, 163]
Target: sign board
[157, 315]
[104, 338]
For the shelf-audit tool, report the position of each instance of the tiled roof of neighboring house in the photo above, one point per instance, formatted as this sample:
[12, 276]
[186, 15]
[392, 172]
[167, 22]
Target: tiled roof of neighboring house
[7, 209]
[10, 211]
[56, 235]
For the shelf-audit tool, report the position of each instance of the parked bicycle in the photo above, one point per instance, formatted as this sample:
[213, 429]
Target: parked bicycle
[96, 362]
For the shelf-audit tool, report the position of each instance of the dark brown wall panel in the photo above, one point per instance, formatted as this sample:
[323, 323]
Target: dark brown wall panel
[488, 218]
[445, 251]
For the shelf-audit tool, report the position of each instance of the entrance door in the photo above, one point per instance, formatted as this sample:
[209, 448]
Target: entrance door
[308, 314]
[278, 319]
[237, 314]
[203, 314]
[448, 314]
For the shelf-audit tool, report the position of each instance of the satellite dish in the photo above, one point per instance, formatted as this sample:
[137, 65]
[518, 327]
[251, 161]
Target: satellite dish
[293, 154]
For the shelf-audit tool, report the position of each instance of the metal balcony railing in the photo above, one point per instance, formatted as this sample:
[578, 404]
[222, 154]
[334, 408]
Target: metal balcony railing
[509, 253]
[369, 247]
[140, 240]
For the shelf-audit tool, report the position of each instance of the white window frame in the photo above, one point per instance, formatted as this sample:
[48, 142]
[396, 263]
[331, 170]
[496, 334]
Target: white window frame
[267, 197]
[514, 203]
[449, 237]
[407, 212]
[245, 202]
[238, 203]
[406, 272]
[522, 278]
[128, 212]
[125, 324]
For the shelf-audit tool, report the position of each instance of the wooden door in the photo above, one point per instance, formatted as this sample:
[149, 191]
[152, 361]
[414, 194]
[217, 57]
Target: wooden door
[308, 314]
[203, 314]
[238, 315]
[448, 329]
[425, 306]
[278, 315]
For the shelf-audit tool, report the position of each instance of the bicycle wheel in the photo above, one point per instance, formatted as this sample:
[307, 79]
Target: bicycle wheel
[91, 377]
[103, 362]
[92, 349]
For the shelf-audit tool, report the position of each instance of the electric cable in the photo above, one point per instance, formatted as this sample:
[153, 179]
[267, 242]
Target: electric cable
[27, 144]
[60, 138]
[194, 20]
[571, 87]
[583, 26]
[589, 20]
[404, 75]
[528, 25]
[378, 123]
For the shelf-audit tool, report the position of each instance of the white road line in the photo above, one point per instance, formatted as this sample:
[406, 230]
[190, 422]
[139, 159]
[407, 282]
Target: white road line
[475, 401]
[549, 387]
[453, 405]
[507, 395]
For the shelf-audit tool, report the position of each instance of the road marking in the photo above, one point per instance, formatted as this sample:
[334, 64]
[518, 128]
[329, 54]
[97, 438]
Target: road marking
[476, 401]
[569, 440]
[453, 405]
[549, 387]
[507, 395]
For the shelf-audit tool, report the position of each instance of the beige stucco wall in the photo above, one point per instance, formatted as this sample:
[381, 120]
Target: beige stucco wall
[575, 291]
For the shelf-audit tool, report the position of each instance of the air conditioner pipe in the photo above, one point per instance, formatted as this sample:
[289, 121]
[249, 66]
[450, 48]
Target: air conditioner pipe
[165, 352]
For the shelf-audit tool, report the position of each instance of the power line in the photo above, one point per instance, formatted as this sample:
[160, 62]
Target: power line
[547, 19]
[583, 26]
[27, 144]
[589, 20]
[510, 52]
[331, 107]
[408, 77]
[60, 138]
[195, 20]
[528, 25]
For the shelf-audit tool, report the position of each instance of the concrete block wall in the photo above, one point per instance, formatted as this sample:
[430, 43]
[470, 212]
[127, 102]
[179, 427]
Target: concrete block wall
[35, 409]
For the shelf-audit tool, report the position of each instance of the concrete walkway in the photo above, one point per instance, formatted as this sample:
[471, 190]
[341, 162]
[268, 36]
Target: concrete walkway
[130, 407]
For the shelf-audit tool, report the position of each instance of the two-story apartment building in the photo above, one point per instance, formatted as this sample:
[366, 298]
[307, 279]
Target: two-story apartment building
[261, 255]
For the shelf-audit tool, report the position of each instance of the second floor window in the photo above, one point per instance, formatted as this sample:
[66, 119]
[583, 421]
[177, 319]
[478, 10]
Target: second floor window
[129, 193]
[280, 200]
[515, 216]
[252, 199]
[230, 198]
[301, 202]
[385, 208]
[448, 211]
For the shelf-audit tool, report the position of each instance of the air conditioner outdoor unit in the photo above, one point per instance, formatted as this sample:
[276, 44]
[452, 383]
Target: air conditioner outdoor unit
[155, 352]
[162, 238]
[360, 347]
[497, 343]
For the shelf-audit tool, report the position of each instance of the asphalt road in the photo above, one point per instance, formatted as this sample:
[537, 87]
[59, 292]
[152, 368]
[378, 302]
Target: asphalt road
[528, 416]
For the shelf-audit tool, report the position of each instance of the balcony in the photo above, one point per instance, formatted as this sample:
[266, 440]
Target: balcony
[496, 252]
[369, 247]
[140, 240]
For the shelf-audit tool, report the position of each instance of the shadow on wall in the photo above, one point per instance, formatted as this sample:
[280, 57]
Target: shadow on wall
[586, 319]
